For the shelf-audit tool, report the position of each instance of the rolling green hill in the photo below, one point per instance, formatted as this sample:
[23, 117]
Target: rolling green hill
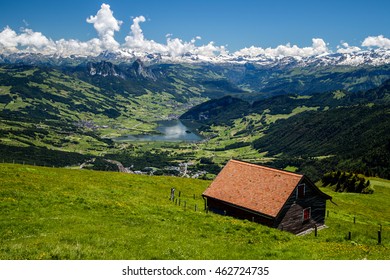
[44, 109]
[105, 99]
[49, 213]
[317, 133]
[73, 112]
[355, 138]
[309, 80]
[228, 108]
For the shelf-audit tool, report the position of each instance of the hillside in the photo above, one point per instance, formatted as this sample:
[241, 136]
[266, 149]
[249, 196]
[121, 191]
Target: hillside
[105, 215]
[313, 134]
[218, 111]
[71, 113]
[112, 99]
[355, 138]
[46, 110]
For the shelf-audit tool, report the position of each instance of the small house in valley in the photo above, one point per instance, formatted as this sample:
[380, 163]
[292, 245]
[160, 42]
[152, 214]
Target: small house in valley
[273, 197]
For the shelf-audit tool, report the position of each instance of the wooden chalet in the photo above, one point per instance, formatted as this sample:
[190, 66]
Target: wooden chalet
[273, 197]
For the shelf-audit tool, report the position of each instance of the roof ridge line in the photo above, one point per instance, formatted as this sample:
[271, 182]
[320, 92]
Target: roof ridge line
[268, 168]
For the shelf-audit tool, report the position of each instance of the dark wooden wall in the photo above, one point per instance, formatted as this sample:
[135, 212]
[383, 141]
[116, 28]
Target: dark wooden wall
[290, 217]
[223, 208]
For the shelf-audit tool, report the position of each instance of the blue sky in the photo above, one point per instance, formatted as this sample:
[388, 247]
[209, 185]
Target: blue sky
[233, 24]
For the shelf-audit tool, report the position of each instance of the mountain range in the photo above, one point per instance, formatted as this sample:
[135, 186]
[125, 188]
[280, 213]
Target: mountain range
[78, 105]
[373, 57]
[256, 76]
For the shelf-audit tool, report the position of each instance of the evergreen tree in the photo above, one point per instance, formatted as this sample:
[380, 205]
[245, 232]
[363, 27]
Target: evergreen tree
[346, 182]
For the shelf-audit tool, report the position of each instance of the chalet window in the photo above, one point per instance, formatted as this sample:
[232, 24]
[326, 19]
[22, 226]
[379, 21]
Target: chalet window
[306, 214]
[301, 191]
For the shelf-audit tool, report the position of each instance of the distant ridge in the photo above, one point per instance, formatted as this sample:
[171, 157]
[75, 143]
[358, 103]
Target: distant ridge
[374, 57]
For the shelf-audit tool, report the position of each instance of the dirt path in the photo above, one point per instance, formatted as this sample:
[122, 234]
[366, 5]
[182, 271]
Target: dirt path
[120, 166]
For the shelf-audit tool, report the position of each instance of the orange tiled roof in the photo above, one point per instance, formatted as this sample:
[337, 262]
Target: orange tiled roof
[258, 188]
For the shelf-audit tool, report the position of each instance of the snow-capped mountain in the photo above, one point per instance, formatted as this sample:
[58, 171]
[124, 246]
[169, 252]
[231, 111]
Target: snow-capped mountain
[367, 57]
[373, 57]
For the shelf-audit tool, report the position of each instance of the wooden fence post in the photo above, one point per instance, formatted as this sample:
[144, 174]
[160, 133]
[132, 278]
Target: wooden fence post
[349, 235]
[315, 230]
[379, 237]
[354, 219]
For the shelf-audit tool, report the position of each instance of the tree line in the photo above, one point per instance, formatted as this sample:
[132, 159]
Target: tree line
[346, 182]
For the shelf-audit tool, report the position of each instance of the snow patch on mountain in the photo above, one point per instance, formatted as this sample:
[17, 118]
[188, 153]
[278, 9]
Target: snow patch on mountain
[374, 57]
[29, 46]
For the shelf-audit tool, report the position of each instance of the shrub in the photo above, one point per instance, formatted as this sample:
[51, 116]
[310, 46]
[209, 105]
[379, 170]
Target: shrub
[346, 182]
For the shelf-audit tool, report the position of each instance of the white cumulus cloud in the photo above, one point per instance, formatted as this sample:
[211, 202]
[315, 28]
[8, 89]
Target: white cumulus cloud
[106, 24]
[318, 47]
[75, 47]
[346, 48]
[27, 40]
[174, 47]
[33, 39]
[377, 41]
[8, 39]
[136, 40]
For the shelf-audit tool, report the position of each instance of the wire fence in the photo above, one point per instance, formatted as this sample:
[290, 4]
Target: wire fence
[359, 230]
[356, 230]
[192, 202]
[28, 162]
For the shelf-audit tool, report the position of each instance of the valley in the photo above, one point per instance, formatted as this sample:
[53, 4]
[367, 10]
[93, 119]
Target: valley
[105, 111]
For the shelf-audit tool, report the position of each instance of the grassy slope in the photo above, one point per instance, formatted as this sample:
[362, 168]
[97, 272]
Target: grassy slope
[45, 108]
[49, 213]
[31, 95]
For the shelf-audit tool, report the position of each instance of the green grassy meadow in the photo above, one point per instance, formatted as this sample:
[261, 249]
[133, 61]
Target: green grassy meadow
[53, 213]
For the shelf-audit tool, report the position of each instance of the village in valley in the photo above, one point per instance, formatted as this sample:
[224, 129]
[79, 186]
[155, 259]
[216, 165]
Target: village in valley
[181, 170]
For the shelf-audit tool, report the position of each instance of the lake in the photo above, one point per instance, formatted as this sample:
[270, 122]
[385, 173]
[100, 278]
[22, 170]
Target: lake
[171, 131]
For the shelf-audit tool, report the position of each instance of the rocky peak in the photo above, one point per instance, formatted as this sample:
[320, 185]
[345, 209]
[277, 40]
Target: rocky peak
[103, 68]
[139, 69]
